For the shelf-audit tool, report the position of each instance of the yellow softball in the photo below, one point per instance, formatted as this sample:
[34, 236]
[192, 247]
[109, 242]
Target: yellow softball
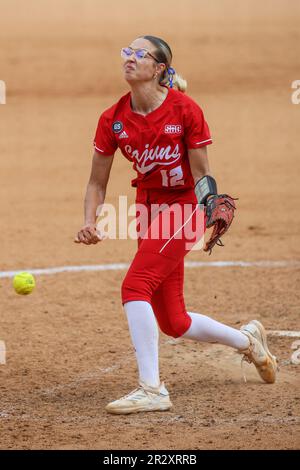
[24, 283]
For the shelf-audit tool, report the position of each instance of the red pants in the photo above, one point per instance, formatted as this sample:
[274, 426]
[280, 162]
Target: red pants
[157, 272]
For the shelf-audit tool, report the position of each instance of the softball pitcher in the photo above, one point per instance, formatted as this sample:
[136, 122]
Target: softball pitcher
[164, 134]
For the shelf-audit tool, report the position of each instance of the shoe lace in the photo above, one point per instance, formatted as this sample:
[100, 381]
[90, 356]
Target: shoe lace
[243, 360]
[129, 395]
[246, 358]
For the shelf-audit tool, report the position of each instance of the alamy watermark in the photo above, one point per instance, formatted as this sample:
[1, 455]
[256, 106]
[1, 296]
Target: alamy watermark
[2, 92]
[295, 358]
[296, 94]
[2, 353]
[152, 221]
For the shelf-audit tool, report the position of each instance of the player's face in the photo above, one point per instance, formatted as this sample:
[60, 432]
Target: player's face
[144, 68]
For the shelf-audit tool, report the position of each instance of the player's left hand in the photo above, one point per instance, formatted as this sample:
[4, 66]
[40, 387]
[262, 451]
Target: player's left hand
[219, 212]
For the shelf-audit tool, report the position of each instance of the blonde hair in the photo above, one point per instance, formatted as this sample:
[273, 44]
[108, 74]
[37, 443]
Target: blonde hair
[163, 54]
[178, 81]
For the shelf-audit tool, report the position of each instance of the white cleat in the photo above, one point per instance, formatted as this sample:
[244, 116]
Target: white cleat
[258, 352]
[144, 398]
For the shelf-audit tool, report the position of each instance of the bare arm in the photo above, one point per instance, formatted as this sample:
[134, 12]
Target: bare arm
[96, 188]
[198, 163]
[95, 196]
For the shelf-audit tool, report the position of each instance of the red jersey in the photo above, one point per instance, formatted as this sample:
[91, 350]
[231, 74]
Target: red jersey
[156, 144]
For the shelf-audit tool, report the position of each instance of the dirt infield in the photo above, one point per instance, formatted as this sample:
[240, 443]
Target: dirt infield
[68, 346]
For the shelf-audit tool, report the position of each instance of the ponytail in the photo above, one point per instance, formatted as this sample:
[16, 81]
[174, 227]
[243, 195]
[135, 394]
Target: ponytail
[171, 78]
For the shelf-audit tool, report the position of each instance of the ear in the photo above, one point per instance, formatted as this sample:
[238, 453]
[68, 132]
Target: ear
[161, 67]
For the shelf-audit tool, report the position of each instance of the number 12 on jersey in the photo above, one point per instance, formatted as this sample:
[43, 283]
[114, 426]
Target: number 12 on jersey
[172, 177]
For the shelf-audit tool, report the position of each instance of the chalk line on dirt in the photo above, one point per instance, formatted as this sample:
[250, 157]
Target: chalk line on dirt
[121, 266]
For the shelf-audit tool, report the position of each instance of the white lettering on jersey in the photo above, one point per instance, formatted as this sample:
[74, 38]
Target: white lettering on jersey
[153, 157]
[173, 129]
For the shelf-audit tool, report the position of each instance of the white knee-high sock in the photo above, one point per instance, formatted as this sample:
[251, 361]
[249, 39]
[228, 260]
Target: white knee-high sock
[208, 330]
[144, 334]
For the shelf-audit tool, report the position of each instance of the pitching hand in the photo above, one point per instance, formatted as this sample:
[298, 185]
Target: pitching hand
[88, 235]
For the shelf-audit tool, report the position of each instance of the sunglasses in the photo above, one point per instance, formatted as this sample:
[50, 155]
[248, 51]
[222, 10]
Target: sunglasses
[139, 54]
